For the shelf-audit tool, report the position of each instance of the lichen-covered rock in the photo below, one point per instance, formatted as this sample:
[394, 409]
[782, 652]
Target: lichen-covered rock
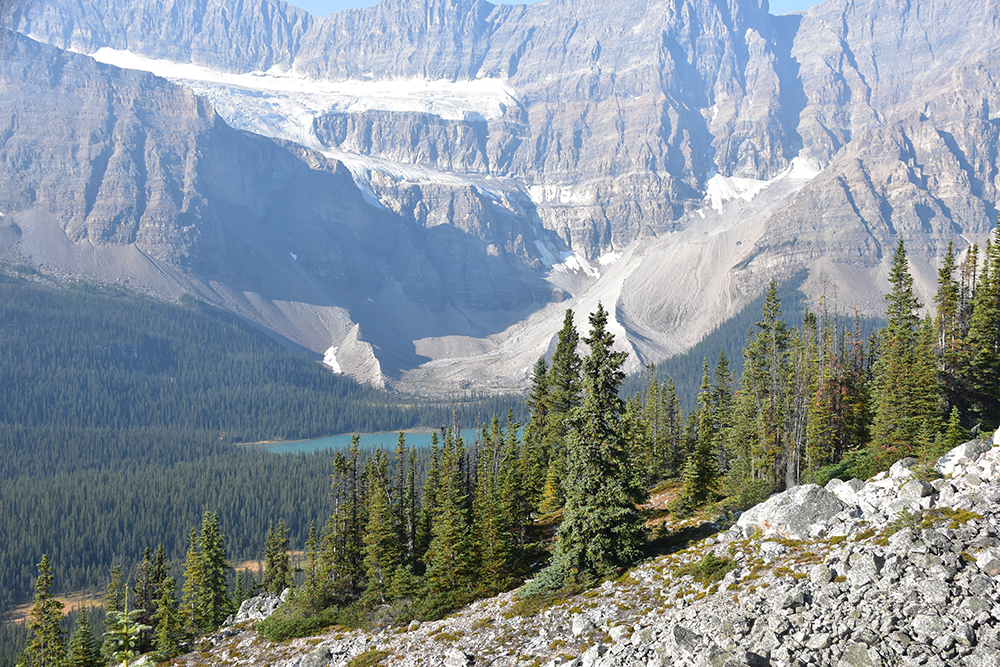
[800, 513]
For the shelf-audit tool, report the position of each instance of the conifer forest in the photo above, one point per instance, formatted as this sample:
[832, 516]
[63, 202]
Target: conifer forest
[141, 421]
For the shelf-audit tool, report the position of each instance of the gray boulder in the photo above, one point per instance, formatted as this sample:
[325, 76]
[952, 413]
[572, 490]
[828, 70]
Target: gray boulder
[800, 513]
[260, 607]
[952, 462]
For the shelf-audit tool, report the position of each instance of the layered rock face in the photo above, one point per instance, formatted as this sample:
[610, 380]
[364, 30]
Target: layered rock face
[118, 175]
[652, 155]
[891, 571]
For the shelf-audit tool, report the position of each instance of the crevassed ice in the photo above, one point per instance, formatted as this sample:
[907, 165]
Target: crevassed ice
[475, 99]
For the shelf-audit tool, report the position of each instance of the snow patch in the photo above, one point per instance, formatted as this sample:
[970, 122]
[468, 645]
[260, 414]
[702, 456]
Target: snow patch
[573, 262]
[560, 194]
[330, 359]
[802, 169]
[721, 189]
[609, 258]
[547, 256]
[568, 261]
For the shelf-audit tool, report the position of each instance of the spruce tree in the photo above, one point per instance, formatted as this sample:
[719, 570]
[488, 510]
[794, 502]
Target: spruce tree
[399, 494]
[429, 504]
[277, 572]
[449, 555]
[190, 613]
[496, 500]
[983, 340]
[411, 509]
[382, 552]
[674, 452]
[83, 649]
[114, 598]
[759, 437]
[602, 529]
[123, 635]
[348, 493]
[534, 463]
[46, 646]
[168, 633]
[949, 339]
[563, 395]
[211, 598]
[903, 401]
[146, 593]
[699, 471]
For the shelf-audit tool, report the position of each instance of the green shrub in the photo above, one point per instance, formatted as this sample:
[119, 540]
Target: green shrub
[282, 625]
[859, 464]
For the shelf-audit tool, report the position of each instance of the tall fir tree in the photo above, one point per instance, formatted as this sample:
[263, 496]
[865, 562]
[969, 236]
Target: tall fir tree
[429, 505]
[168, 632]
[493, 511]
[903, 402]
[449, 557]
[46, 645]
[114, 597]
[602, 529]
[563, 395]
[208, 593]
[534, 457]
[700, 471]
[277, 571]
[948, 326]
[982, 343]
[759, 437]
[192, 619]
[83, 649]
[382, 552]
[145, 592]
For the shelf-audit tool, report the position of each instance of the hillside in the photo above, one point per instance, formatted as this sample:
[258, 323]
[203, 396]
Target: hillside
[894, 570]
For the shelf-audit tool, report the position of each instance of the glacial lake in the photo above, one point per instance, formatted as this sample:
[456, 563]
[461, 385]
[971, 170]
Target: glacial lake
[420, 439]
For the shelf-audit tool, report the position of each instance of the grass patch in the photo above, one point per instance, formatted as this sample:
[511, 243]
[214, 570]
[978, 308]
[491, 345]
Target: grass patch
[369, 658]
[709, 570]
[530, 606]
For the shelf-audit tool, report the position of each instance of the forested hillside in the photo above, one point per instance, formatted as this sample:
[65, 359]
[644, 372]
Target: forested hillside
[118, 418]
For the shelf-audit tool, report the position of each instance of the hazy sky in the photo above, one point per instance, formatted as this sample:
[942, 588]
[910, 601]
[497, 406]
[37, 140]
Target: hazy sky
[325, 7]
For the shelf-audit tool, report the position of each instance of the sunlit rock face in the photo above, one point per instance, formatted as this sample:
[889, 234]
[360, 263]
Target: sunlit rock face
[466, 171]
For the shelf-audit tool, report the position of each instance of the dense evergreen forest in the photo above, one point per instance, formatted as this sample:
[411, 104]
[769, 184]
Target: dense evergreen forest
[118, 418]
[407, 536]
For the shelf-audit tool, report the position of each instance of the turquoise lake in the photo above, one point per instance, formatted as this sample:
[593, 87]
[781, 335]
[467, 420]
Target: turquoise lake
[368, 440]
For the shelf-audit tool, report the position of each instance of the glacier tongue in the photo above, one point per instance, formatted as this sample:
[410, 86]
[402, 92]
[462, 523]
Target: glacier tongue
[468, 100]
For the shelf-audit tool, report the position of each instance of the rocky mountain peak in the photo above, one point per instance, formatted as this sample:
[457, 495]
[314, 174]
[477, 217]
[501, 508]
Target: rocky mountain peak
[691, 147]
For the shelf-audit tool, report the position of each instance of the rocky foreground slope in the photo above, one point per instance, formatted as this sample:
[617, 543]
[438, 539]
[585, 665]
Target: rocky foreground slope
[893, 571]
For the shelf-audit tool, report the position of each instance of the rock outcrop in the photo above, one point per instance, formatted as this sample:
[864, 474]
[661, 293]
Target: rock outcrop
[891, 571]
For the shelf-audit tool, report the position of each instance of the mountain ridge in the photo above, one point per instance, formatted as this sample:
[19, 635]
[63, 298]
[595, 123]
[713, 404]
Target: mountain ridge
[550, 141]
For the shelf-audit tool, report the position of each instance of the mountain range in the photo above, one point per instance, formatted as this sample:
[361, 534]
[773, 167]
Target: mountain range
[420, 189]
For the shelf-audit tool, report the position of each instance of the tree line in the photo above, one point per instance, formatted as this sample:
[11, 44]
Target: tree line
[823, 400]
[812, 402]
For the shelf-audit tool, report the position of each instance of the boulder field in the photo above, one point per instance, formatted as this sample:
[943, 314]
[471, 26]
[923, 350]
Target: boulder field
[899, 570]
